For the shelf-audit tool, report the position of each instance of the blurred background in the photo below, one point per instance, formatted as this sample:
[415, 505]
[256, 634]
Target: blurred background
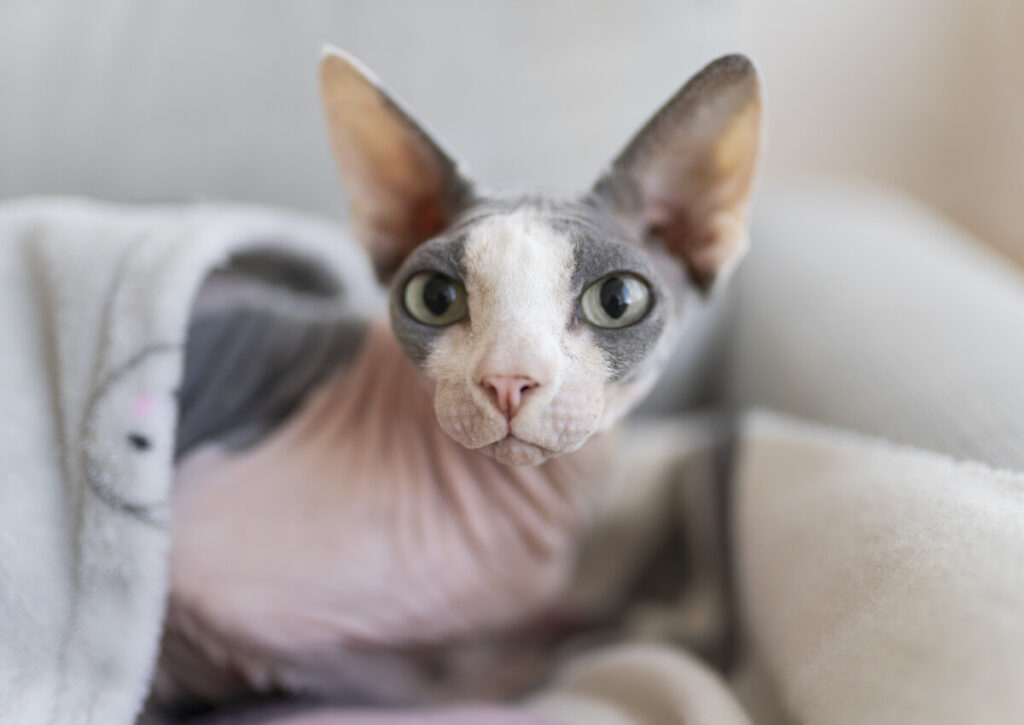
[154, 101]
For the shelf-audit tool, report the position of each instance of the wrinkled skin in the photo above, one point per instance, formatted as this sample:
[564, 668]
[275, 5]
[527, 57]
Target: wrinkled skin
[404, 534]
[362, 524]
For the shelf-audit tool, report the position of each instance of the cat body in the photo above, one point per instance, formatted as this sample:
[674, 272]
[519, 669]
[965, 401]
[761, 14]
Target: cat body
[359, 552]
[401, 524]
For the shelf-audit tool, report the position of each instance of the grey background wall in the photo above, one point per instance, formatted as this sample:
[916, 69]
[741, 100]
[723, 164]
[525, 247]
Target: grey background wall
[923, 95]
[146, 100]
[143, 100]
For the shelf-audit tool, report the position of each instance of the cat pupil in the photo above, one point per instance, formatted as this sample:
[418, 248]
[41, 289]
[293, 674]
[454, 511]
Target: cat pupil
[615, 297]
[438, 295]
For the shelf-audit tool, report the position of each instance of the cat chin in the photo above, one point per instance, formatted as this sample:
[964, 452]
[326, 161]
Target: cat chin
[512, 451]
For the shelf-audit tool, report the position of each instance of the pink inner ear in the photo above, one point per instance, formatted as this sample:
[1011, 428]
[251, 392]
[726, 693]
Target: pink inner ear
[143, 407]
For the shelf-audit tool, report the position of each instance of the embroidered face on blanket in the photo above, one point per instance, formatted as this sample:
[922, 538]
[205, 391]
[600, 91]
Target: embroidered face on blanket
[121, 416]
[539, 321]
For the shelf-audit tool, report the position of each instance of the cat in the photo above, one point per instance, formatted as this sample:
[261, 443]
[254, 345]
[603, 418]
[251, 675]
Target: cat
[384, 506]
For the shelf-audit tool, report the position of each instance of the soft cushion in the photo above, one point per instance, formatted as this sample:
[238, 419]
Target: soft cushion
[879, 584]
[863, 309]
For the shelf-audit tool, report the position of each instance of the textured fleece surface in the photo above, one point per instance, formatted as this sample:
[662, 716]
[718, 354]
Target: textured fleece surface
[879, 584]
[95, 304]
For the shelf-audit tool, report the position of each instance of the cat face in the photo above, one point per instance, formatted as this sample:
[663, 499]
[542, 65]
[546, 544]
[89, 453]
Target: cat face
[538, 321]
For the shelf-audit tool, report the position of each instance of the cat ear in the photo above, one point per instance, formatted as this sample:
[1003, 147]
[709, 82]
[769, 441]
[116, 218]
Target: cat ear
[686, 178]
[402, 187]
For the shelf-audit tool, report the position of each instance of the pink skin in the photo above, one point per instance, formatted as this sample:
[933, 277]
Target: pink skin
[359, 539]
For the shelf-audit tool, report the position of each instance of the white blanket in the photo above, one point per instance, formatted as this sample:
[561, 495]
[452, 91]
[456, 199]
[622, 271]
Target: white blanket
[94, 303]
[879, 584]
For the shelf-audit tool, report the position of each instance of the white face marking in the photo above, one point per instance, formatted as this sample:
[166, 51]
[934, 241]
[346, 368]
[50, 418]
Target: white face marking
[521, 306]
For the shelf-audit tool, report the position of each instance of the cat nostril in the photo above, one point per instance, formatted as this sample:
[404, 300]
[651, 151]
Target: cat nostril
[507, 391]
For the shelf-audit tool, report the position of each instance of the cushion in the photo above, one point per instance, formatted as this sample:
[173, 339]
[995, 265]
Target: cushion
[860, 308]
[878, 583]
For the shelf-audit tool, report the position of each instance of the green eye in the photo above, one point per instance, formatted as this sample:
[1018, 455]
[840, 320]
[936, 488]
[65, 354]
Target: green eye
[614, 301]
[433, 299]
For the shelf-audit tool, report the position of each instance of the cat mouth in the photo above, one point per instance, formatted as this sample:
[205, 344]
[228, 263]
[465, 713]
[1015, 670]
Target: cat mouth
[513, 451]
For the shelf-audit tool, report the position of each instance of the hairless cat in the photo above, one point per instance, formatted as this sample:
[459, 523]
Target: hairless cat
[384, 509]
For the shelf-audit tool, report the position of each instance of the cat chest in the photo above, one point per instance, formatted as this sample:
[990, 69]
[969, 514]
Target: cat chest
[315, 550]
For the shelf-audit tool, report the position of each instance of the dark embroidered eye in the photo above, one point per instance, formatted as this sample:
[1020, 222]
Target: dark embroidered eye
[139, 442]
[614, 301]
[434, 299]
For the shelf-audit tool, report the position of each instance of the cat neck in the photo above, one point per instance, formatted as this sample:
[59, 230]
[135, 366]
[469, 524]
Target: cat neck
[382, 401]
[370, 434]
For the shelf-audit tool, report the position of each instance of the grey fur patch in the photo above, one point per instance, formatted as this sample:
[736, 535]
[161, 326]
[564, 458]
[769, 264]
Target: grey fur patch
[624, 348]
[247, 371]
[601, 247]
[443, 254]
[264, 334]
[285, 271]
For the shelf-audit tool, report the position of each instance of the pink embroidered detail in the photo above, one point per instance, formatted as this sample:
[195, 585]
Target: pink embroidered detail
[143, 407]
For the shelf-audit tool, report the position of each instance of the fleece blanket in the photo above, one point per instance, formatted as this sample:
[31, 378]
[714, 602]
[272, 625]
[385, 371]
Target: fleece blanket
[878, 583]
[96, 301]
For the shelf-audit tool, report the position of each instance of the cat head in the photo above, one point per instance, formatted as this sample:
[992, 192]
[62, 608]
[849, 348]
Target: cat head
[539, 321]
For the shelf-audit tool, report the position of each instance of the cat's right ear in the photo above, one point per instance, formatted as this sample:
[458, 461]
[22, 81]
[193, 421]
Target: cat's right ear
[402, 187]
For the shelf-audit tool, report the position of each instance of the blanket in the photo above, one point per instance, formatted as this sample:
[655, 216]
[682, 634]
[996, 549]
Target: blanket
[878, 583]
[96, 301]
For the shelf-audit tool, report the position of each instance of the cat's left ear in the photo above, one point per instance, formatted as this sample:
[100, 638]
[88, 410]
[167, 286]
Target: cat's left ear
[686, 178]
[402, 187]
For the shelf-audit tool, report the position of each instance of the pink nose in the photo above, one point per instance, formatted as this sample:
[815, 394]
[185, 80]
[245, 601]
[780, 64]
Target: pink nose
[508, 391]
